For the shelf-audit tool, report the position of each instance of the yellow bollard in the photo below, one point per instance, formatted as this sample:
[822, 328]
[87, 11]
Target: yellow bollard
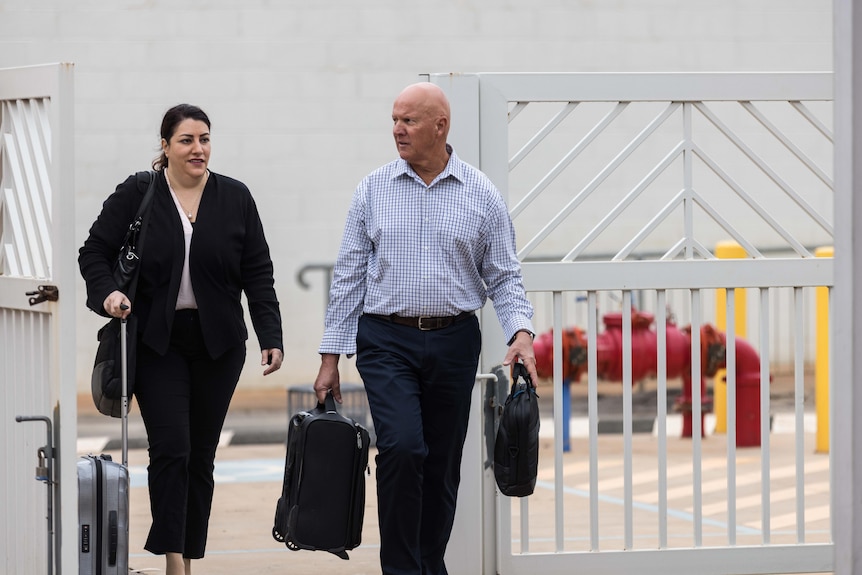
[726, 250]
[821, 364]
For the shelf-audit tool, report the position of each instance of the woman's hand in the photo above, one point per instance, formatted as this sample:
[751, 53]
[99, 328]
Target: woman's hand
[117, 304]
[272, 359]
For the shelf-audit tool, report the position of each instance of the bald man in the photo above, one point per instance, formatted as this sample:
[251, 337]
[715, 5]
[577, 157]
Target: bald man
[428, 240]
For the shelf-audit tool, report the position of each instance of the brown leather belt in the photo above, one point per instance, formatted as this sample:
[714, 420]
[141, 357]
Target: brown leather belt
[424, 323]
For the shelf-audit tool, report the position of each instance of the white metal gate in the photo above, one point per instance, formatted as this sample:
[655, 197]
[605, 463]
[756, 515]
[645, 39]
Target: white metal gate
[36, 363]
[620, 186]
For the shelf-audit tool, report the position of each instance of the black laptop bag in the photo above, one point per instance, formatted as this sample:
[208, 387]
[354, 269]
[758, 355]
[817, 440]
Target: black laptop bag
[516, 448]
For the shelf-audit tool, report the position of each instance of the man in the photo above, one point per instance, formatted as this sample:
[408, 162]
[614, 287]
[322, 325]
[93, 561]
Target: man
[428, 238]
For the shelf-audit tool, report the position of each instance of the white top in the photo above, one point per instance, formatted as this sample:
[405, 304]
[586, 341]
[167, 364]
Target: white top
[186, 297]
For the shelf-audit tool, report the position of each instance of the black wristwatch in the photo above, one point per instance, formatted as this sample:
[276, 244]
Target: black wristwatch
[532, 335]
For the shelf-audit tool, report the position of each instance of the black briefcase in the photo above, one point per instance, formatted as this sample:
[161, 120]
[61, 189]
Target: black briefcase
[516, 447]
[322, 504]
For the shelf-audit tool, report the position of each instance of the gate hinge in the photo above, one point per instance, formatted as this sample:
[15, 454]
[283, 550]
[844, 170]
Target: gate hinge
[44, 293]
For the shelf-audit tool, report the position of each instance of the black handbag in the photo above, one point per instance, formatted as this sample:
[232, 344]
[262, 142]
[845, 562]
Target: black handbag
[106, 380]
[516, 448]
[129, 255]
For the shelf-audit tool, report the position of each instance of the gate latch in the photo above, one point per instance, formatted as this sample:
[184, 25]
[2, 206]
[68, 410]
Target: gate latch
[44, 293]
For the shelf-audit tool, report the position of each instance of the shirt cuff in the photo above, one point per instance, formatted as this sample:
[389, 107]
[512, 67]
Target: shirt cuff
[338, 342]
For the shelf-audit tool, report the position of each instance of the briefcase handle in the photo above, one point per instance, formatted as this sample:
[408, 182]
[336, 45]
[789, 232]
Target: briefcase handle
[519, 370]
[328, 406]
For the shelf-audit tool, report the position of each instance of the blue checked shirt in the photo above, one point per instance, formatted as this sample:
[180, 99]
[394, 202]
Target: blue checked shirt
[417, 250]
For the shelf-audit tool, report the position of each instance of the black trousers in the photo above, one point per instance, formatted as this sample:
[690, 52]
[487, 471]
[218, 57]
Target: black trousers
[183, 397]
[419, 385]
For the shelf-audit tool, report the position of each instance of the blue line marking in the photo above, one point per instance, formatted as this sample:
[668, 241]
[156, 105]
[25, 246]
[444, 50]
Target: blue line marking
[231, 471]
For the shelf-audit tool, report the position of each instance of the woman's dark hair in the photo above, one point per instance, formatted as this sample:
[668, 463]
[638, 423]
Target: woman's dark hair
[171, 120]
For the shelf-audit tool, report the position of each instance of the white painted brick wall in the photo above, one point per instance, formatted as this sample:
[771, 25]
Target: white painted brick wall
[300, 93]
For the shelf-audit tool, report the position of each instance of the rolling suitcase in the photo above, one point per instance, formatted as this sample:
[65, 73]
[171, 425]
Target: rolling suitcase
[322, 504]
[103, 501]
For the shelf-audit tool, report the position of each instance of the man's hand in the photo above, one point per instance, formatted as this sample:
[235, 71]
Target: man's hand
[522, 348]
[272, 359]
[328, 378]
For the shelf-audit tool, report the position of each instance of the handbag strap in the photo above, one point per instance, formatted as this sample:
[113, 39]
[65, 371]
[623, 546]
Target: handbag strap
[143, 212]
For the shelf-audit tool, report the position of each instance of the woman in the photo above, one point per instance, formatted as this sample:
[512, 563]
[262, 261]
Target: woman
[204, 246]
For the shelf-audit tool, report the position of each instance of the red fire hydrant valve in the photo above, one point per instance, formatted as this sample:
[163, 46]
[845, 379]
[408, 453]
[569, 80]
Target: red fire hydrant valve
[644, 353]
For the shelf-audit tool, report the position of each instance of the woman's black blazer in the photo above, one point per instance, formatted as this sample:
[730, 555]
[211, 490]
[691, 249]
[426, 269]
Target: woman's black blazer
[228, 255]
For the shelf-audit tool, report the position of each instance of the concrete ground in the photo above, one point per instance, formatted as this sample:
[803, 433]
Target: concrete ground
[240, 539]
[248, 486]
[249, 471]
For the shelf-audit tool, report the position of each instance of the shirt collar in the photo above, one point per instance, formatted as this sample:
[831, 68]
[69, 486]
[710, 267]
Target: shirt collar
[454, 168]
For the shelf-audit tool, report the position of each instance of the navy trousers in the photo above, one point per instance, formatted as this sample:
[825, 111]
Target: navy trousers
[419, 385]
[183, 396]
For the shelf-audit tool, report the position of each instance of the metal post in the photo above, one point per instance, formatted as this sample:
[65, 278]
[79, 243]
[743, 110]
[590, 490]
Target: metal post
[847, 355]
[567, 415]
[46, 475]
[726, 250]
[821, 363]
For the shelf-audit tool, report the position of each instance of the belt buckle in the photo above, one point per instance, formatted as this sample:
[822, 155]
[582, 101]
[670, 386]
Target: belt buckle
[432, 326]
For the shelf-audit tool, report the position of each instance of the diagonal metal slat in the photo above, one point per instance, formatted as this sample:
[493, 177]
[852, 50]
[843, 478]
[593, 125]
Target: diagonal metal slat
[35, 175]
[625, 202]
[794, 149]
[568, 159]
[30, 246]
[764, 167]
[723, 222]
[665, 212]
[599, 178]
[37, 127]
[14, 241]
[812, 119]
[650, 226]
[758, 209]
[542, 133]
[517, 109]
[27, 186]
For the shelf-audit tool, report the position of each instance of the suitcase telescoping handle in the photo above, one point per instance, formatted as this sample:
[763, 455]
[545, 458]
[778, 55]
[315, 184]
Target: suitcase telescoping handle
[124, 389]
